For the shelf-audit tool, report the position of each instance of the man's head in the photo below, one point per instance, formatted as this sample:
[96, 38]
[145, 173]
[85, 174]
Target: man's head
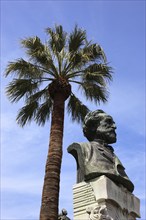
[99, 125]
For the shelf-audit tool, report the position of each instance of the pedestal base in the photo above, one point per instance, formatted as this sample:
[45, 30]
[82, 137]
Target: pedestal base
[102, 199]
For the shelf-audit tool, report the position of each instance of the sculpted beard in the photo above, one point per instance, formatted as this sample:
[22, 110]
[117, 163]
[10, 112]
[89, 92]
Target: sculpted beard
[109, 136]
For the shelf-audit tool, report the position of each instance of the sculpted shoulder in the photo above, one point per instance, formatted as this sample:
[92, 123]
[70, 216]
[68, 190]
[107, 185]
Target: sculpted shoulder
[78, 150]
[77, 146]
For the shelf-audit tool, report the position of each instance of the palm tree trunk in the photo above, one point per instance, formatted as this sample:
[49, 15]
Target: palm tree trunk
[50, 195]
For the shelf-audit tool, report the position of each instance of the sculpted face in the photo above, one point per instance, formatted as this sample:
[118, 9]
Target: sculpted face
[106, 129]
[99, 125]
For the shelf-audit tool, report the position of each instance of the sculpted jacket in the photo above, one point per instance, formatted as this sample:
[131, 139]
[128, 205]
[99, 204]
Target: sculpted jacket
[95, 159]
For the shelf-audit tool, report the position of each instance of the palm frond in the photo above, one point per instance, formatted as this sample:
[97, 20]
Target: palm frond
[57, 38]
[76, 39]
[44, 111]
[24, 69]
[39, 52]
[39, 96]
[19, 88]
[76, 108]
[99, 73]
[94, 92]
[73, 74]
[27, 113]
[76, 60]
[36, 49]
[101, 51]
[92, 52]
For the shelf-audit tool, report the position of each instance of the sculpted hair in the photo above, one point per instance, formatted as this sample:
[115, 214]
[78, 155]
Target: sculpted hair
[91, 122]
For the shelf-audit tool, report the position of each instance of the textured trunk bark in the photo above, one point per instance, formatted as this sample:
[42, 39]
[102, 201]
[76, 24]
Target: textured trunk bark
[50, 195]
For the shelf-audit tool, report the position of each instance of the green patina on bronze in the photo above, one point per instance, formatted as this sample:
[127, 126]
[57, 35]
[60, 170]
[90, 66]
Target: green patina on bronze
[96, 157]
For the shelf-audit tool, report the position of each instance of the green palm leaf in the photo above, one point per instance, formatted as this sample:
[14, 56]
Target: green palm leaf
[19, 88]
[57, 38]
[76, 109]
[39, 53]
[44, 111]
[27, 113]
[76, 39]
[36, 49]
[39, 96]
[99, 73]
[94, 92]
[93, 52]
[24, 69]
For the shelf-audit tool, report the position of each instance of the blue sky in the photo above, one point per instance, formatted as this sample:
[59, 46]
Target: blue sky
[119, 27]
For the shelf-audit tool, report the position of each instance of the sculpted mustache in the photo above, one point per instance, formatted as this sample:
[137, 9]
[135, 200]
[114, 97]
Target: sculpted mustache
[110, 130]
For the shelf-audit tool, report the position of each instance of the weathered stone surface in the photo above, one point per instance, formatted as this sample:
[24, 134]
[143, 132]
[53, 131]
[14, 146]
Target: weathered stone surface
[104, 188]
[98, 212]
[101, 198]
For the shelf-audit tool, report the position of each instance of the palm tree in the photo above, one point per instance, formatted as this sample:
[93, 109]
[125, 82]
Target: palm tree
[45, 82]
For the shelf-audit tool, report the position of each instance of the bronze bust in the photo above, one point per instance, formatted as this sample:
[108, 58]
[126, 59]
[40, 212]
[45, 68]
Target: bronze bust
[63, 215]
[96, 157]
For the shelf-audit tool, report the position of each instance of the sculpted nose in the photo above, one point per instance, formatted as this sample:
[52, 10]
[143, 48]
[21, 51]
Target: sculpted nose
[114, 126]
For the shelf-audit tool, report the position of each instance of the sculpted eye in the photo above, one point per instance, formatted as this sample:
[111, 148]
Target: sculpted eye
[109, 121]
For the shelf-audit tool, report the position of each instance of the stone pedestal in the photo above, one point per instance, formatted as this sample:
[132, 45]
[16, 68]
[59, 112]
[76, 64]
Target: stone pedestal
[102, 199]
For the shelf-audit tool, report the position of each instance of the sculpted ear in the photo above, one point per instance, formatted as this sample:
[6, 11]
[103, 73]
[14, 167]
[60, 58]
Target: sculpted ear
[89, 129]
